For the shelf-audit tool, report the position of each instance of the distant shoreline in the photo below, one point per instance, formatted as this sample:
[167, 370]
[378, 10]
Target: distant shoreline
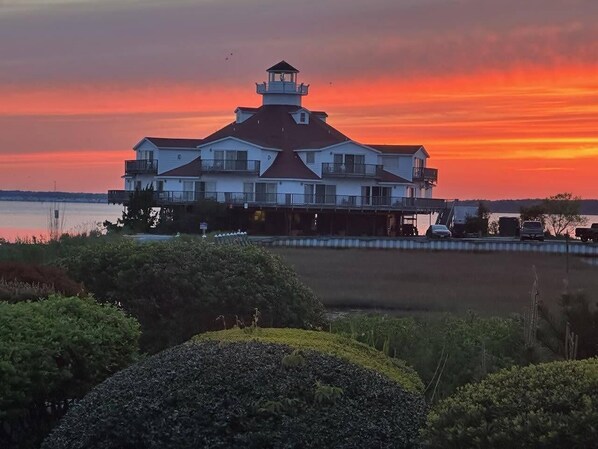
[588, 207]
[59, 197]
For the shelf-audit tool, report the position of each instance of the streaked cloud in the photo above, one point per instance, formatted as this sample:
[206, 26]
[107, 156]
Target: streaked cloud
[476, 81]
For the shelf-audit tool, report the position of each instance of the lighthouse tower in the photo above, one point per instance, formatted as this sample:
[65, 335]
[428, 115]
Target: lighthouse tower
[282, 87]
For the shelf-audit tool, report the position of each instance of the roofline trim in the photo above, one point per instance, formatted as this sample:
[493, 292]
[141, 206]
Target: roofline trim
[259, 147]
[138, 144]
[340, 143]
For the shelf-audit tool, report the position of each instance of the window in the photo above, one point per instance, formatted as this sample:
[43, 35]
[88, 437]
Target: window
[265, 192]
[349, 163]
[230, 159]
[248, 192]
[319, 193]
[302, 117]
[310, 158]
[375, 196]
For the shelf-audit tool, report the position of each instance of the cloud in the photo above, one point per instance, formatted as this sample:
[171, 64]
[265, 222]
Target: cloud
[188, 41]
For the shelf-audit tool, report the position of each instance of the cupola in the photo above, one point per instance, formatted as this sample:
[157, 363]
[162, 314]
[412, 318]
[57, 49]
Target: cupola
[282, 87]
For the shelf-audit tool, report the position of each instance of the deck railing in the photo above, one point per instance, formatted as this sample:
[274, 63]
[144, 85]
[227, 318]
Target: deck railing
[230, 166]
[292, 200]
[337, 170]
[138, 166]
[425, 174]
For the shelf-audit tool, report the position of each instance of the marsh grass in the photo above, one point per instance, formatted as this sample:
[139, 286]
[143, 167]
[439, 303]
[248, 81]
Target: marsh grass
[424, 283]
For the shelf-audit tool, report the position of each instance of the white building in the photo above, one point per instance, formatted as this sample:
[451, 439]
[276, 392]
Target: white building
[288, 170]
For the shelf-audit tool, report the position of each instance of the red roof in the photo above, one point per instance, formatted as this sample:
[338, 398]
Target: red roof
[164, 142]
[396, 149]
[243, 108]
[391, 177]
[192, 168]
[272, 126]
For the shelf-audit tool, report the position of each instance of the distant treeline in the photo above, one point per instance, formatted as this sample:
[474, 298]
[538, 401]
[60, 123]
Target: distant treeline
[588, 207]
[74, 197]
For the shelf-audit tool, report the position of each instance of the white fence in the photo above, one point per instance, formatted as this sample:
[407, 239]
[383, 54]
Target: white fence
[553, 247]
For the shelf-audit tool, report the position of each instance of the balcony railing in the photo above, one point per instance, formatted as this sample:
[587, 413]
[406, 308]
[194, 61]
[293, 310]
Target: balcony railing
[425, 174]
[140, 166]
[351, 170]
[282, 87]
[230, 166]
[292, 200]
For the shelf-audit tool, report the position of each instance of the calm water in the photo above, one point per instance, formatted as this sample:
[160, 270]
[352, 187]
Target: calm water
[21, 219]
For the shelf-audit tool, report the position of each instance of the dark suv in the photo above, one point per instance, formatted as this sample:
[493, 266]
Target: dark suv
[532, 230]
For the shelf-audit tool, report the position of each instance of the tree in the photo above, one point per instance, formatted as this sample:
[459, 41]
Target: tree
[563, 212]
[478, 224]
[535, 212]
[139, 215]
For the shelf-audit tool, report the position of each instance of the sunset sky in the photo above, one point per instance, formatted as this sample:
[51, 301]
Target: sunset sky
[503, 94]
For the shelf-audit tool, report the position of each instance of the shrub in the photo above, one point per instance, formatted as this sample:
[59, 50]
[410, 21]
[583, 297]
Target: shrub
[244, 394]
[327, 343]
[179, 288]
[446, 352]
[52, 352]
[552, 406]
[24, 281]
[575, 314]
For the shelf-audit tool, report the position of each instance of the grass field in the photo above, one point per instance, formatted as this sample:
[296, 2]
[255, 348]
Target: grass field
[436, 282]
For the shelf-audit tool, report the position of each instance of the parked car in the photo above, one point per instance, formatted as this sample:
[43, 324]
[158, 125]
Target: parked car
[438, 232]
[586, 234]
[532, 230]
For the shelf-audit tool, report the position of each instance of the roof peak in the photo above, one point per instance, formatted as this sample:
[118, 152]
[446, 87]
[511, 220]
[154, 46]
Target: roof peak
[283, 66]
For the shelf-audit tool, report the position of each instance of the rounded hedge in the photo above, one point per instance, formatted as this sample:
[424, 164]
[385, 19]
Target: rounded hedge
[245, 394]
[552, 406]
[179, 288]
[52, 352]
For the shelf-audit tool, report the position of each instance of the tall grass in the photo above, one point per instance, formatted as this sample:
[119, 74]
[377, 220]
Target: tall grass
[447, 351]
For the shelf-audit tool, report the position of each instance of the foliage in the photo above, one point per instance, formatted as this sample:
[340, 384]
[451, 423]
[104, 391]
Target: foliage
[446, 352]
[563, 212]
[179, 288]
[479, 223]
[15, 291]
[239, 395]
[21, 281]
[52, 352]
[327, 343]
[139, 215]
[534, 212]
[552, 406]
[45, 252]
[581, 316]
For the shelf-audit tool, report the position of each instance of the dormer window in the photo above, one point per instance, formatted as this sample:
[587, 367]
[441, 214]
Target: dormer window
[310, 158]
[302, 117]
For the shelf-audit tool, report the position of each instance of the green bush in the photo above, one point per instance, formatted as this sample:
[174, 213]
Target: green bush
[327, 343]
[549, 406]
[38, 251]
[52, 352]
[179, 288]
[446, 352]
[250, 394]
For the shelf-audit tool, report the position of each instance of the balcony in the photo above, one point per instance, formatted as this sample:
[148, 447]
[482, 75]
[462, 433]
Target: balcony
[141, 166]
[242, 167]
[291, 201]
[279, 87]
[425, 174]
[335, 170]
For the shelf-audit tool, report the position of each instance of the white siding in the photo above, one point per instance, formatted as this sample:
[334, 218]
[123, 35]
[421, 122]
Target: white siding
[170, 159]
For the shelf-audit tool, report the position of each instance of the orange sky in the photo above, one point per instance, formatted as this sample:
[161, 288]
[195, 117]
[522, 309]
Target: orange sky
[506, 126]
